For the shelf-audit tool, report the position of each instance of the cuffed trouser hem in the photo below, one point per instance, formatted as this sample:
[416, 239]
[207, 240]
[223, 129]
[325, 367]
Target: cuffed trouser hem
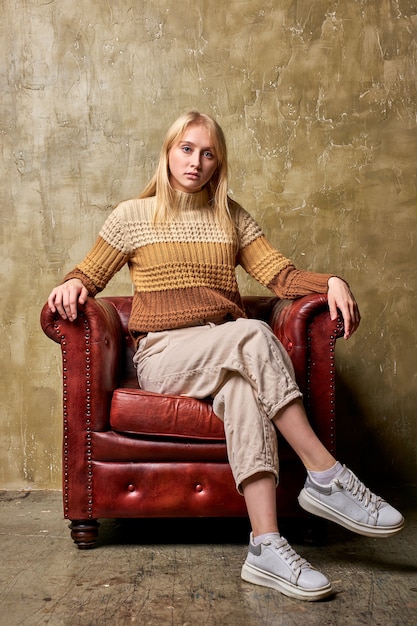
[257, 470]
[295, 395]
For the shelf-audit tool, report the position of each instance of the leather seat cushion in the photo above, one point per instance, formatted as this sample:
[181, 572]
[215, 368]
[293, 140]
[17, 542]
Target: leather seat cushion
[139, 412]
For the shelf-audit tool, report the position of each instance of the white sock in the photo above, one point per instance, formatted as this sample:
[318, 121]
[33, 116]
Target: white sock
[326, 477]
[259, 539]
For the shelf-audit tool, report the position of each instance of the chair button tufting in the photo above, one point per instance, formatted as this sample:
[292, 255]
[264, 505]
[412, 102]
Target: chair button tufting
[198, 488]
[131, 488]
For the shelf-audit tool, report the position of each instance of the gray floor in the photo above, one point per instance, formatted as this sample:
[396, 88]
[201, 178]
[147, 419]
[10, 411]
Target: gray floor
[187, 573]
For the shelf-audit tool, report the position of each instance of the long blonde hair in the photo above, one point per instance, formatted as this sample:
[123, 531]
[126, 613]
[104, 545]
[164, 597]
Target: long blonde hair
[160, 186]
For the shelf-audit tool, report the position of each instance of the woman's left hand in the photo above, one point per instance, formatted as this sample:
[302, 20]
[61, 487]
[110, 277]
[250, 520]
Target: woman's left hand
[340, 297]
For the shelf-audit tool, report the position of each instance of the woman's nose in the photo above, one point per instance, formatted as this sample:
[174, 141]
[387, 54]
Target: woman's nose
[196, 161]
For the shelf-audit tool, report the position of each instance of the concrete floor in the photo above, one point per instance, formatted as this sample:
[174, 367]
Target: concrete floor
[188, 573]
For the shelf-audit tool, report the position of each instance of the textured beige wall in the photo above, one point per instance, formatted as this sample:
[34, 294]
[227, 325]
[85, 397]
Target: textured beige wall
[318, 101]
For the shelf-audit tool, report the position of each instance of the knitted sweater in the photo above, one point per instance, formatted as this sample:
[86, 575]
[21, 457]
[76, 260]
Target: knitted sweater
[183, 271]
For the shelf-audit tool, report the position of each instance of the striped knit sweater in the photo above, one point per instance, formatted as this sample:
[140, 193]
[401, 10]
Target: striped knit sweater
[183, 271]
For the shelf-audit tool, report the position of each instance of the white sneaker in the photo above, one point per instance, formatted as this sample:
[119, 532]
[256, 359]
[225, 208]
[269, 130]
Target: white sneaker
[273, 563]
[349, 503]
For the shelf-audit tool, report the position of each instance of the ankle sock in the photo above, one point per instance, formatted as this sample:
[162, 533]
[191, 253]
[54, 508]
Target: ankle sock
[259, 539]
[326, 477]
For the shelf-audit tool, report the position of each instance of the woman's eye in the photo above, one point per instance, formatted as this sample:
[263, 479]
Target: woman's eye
[186, 149]
[208, 154]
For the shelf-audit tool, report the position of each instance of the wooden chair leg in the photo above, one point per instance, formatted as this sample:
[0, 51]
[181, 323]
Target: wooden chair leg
[84, 533]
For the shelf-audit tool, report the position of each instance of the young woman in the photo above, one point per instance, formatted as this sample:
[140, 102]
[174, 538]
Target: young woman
[182, 240]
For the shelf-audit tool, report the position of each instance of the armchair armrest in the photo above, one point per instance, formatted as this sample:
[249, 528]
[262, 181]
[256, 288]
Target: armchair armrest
[309, 335]
[91, 356]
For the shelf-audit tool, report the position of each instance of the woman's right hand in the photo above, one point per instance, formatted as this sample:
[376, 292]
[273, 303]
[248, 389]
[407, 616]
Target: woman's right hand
[66, 297]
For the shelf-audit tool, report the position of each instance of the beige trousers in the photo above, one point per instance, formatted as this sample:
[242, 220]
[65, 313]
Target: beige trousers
[243, 367]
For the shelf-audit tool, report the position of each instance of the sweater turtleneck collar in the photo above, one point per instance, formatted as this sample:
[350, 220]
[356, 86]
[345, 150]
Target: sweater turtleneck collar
[189, 201]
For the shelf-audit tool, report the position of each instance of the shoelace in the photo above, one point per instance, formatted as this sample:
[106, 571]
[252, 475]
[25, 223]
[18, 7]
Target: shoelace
[360, 491]
[290, 556]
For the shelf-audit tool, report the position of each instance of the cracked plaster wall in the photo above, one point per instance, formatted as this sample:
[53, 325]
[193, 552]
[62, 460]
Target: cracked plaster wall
[318, 102]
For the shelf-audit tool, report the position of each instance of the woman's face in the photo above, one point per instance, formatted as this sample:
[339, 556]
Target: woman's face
[192, 160]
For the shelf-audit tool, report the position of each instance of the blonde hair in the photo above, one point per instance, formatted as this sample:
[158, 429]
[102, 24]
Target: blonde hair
[160, 186]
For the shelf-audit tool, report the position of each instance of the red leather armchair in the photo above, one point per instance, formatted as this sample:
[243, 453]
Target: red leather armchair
[128, 453]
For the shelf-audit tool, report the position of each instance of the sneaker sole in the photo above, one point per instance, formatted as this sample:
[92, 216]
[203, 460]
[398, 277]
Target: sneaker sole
[252, 574]
[310, 504]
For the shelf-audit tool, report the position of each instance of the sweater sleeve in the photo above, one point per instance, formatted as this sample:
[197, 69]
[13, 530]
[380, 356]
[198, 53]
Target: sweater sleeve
[292, 283]
[108, 255]
[269, 267]
[98, 267]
